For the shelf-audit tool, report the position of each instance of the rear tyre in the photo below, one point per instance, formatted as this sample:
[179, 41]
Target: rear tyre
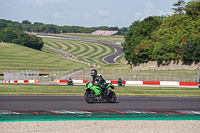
[89, 98]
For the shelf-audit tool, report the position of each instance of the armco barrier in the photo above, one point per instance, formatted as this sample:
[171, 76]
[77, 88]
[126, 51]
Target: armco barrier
[151, 82]
[163, 83]
[74, 81]
[188, 83]
[20, 81]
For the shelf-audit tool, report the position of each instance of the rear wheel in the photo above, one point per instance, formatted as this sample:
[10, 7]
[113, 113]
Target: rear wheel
[89, 97]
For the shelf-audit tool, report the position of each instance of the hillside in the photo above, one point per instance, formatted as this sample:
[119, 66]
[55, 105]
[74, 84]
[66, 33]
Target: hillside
[86, 51]
[13, 56]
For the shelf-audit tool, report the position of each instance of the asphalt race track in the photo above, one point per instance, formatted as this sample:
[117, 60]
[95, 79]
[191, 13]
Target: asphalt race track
[38, 103]
[111, 58]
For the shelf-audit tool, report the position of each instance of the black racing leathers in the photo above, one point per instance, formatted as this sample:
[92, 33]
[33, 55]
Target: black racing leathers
[99, 81]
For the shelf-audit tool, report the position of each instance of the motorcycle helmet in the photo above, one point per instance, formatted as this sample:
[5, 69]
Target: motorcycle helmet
[93, 72]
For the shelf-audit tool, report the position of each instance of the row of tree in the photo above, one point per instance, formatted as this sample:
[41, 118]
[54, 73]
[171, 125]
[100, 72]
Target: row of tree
[51, 28]
[166, 38]
[11, 35]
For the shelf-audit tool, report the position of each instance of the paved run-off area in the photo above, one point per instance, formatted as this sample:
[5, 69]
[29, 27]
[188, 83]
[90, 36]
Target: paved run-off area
[101, 126]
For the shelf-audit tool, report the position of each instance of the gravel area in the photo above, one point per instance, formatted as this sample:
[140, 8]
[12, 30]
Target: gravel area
[101, 126]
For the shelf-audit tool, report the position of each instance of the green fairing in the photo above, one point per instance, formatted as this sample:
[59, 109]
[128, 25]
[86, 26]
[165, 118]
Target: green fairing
[96, 89]
[109, 85]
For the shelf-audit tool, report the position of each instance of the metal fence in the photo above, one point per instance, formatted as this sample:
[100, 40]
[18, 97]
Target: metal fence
[83, 73]
[76, 73]
[133, 75]
[21, 75]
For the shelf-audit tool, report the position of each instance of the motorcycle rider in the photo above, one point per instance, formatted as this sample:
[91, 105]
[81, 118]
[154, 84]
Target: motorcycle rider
[99, 81]
[70, 81]
[120, 82]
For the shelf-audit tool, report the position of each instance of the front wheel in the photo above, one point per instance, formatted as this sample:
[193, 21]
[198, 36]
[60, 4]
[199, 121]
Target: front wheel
[112, 98]
[89, 97]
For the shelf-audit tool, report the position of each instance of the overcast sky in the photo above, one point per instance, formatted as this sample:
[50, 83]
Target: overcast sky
[88, 13]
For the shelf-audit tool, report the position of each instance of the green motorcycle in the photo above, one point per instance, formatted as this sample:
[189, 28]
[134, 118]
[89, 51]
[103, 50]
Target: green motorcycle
[95, 93]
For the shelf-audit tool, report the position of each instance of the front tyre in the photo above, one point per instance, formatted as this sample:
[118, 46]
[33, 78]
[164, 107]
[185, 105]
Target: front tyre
[89, 98]
[112, 98]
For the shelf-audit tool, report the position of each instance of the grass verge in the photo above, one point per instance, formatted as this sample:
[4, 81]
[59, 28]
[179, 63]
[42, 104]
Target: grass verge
[79, 90]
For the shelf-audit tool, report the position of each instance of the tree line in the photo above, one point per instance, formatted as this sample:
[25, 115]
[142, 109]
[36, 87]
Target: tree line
[12, 35]
[55, 29]
[165, 38]
[14, 32]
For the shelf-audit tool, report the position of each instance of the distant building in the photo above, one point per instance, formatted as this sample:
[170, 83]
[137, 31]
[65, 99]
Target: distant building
[104, 33]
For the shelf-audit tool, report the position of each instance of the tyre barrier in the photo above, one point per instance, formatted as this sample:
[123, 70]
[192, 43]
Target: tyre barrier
[74, 81]
[163, 83]
[20, 81]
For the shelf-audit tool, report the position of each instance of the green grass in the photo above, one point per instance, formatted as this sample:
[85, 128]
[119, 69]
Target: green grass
[16, 57]
[79, 90]
[86, 51]
[13, 56]
[121, 59]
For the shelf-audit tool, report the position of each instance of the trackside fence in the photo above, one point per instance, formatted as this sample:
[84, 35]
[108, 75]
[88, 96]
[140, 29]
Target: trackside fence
[83, 73]
[133, 75]
[21, 75]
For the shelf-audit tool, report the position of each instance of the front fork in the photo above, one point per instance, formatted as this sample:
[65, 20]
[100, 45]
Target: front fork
[91, 93]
